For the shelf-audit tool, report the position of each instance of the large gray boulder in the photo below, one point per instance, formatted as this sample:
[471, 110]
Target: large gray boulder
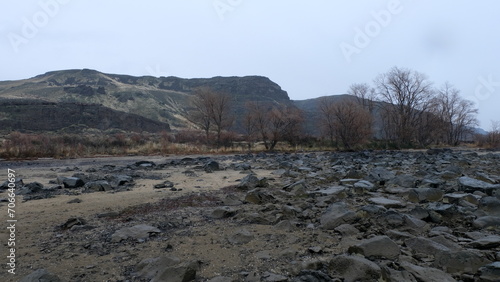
[40, 275]
[427, 274]
[490, 272]
[486, 221]
[251, 181]
[377, 247]
[421, 245]
[419, 195]
[138, 232]
[72, 182]
[471, 185]
[458, 262]
[354, 268]
[167, 269]
[336, 215]
[96, 186]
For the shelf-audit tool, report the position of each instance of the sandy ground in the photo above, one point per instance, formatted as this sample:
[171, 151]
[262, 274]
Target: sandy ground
[36, 237]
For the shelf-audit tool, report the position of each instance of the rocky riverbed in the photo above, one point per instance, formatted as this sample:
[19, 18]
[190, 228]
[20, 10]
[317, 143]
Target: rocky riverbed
[328, 216]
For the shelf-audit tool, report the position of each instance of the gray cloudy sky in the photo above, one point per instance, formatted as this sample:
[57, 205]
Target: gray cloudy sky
[310, 48]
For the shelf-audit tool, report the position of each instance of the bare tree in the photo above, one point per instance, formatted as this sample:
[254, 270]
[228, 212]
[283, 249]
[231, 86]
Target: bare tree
[326, 120]
[202, 102]
[222, 117]
[352, 123]
[211, 111]
[285, 124]
[365, 95]
[458, 115]
[274, 123]
[407, 94]
[257, 120]
[493, 137]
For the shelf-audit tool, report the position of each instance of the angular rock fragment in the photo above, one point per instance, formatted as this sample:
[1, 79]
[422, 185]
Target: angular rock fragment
[167, 269]
[259, 196]
[422, 245]
[72, 182]
[354, 268]
[336, 215]
[486, 221]
[427, 274]
[458, 262]
[223, 212]
[251, 181]
[488, 242]
[490, 272]
[387, 203]
[419, 195]
[471, 185]
[241, 237]
[138, 232]
[41, 275]
[377, 247]
[95, 186]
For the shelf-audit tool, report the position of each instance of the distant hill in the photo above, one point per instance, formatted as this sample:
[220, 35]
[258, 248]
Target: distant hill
[83, 98]
[164, 100]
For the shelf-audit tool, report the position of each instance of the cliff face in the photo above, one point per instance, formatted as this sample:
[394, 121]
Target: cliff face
[35, 115]
[90, 94]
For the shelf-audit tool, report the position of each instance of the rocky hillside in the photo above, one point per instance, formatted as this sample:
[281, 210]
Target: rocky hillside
[163, 99]
[38, 115]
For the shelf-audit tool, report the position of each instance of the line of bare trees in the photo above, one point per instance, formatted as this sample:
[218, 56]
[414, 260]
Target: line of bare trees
[272, 123]
[402, 107]
[410, 110]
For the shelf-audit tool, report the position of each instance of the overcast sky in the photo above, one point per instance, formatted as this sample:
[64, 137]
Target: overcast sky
[310, 48]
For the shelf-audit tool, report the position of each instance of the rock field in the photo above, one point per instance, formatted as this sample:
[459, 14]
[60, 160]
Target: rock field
[307, 217]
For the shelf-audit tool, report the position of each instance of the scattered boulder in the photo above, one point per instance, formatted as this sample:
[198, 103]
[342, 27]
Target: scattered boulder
[18, 184]
[221, 279]
[377, 247]
[381, 175]
[354, 268]
[211, 166]
[387, 203]
[459, 262]
[422, 245]
[491, 205]
[272, 277]
[490, 272]
[145, 164]
[167, 268]
[419, 195]
[72, 182]
[139, 232]
[297, 189]
[241, 237]
[336, 215]
[96, 186]
[72, 222]
[470, 185]
[165, 184]
[486, 221]
[312, 276]
[427, 274]
[40, 275]
[487, 242]
[259, 196]
[223, 212]
[251, 181]
[30, 188]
